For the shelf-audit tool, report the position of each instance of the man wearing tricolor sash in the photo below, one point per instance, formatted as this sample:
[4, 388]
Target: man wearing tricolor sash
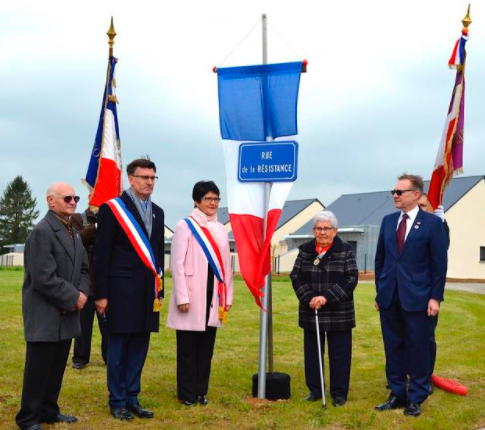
[128, 282]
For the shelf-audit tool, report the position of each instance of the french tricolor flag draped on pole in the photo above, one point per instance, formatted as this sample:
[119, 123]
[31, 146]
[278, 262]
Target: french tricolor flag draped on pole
[256, 104]
[450, 153]
[104, 170]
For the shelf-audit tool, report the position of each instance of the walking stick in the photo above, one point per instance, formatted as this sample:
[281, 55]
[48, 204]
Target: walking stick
[322, 379]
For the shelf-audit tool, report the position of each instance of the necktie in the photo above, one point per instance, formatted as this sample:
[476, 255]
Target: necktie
[401, 233]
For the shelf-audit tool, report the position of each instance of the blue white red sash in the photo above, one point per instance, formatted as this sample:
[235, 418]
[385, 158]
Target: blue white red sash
[140, 242]
[213, 254]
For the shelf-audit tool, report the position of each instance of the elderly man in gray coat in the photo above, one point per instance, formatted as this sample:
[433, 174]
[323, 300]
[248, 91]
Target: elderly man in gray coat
[55, 289]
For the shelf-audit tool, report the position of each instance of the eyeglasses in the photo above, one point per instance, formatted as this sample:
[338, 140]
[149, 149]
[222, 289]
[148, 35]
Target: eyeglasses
[69, 199]
[400, 192]
[146, 178]
[211, 199]
[325, 230]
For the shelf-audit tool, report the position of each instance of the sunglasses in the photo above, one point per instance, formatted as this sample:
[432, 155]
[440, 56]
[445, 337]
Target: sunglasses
[69, 199]
[400, 192]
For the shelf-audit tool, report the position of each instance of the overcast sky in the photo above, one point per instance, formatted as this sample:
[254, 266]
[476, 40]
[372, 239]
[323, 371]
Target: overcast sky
[372, 105]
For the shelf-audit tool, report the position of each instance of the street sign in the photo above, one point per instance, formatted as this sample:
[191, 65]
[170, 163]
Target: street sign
[268, 162]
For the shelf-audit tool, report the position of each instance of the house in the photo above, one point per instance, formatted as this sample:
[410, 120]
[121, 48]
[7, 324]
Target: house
[14, 255]
[360, 215]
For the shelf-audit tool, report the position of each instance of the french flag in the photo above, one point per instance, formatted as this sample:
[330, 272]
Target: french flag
[104, 170]
[256, 104]
[450, 152]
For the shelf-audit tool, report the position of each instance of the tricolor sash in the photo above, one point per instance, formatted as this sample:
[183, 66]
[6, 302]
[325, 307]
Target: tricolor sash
[213, 254]
[140, 243]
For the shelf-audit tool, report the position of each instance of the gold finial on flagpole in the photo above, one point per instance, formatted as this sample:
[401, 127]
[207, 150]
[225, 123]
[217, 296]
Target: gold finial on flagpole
[111, 34]
[467, 20]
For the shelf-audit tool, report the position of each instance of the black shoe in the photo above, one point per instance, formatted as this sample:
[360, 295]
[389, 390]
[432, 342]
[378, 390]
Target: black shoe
[393, 402]
[430, 389]
[139, 411]
[339, 401]
[202, 400]
[60, 418]
[35, 427]
[188, 402]
[121, 414]
[312, 397]
[79, 366]
[412, 409]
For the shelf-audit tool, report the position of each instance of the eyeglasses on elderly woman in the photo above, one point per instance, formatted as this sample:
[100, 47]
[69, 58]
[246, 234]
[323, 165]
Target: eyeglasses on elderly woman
[325, 230]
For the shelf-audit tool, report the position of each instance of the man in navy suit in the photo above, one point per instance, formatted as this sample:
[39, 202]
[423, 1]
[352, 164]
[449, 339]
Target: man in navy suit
[410, 269]
[125, 288]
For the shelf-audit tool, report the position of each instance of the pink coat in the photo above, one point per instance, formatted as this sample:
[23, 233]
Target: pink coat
[189, 275]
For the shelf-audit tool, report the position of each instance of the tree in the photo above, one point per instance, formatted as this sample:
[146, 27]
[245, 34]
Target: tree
[17, 212]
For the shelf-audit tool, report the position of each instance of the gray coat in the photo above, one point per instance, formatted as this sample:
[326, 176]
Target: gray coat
[56, 269]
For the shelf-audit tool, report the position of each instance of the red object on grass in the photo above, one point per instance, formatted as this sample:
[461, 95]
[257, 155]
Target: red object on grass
[449, 385]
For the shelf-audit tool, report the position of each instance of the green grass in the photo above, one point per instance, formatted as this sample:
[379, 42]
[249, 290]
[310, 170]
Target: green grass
[461, 338]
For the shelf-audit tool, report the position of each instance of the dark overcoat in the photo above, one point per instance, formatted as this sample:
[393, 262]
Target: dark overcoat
[120, 275]
[335, 278]
[56, 270]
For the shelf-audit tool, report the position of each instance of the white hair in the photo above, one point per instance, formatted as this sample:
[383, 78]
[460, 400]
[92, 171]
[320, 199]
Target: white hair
[325, 216]
[53, 190]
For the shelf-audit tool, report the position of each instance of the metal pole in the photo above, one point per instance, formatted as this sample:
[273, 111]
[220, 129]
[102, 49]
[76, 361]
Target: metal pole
[322, 377]
[270, 326]
[263, 325]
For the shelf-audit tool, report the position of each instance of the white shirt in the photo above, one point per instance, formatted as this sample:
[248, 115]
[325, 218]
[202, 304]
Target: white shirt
[412, 214]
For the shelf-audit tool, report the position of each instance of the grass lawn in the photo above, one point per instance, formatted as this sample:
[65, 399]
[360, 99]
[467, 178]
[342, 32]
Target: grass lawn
[460, 336]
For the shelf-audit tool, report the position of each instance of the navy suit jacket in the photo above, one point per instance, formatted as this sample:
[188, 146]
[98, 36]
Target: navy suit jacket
[419, 272]
[121, 276]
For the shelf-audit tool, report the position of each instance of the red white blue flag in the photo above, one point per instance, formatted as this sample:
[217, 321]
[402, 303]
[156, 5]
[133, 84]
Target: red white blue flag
[104, 170]
[256, 104]
[450, 153]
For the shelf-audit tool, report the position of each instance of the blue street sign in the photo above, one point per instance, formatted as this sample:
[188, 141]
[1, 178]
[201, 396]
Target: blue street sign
[268, 162]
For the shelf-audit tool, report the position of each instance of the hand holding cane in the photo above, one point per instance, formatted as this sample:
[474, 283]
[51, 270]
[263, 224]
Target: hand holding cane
[322, 380]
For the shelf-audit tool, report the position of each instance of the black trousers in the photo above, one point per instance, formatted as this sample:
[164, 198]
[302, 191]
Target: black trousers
[82, 344]
[432, 343]
[194, 356]
[339, 357]
[45, 363]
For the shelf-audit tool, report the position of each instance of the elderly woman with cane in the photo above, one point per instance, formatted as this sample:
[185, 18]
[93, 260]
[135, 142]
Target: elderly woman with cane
[202, 291]
[324, 278]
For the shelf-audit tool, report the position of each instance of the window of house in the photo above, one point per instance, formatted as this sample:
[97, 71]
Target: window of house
[482, 253]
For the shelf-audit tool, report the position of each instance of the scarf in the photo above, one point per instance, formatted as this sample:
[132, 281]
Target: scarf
[145, 214]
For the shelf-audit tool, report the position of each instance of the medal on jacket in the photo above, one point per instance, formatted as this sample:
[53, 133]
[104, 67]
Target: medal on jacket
[321, 251]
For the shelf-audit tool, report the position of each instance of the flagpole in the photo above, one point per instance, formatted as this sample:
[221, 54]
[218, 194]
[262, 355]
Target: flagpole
[111, 34]
[264, 314]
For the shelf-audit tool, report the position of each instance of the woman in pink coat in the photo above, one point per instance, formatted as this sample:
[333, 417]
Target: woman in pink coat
[202, 291]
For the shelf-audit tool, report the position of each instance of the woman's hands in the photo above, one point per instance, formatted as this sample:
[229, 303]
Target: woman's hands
[318, 302]
[184, 307]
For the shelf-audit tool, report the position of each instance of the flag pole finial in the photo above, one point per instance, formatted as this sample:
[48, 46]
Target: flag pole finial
[111, 34]
[467, 20]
